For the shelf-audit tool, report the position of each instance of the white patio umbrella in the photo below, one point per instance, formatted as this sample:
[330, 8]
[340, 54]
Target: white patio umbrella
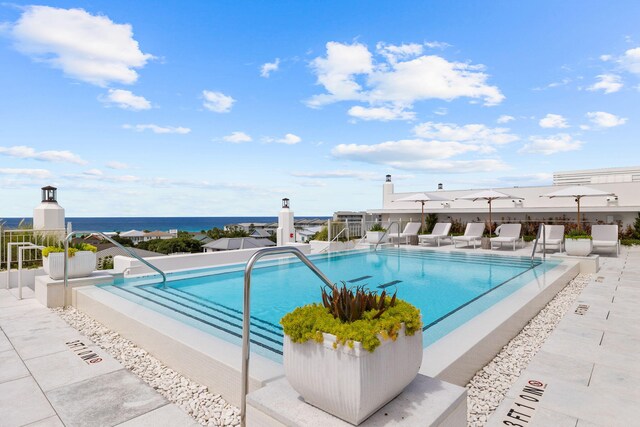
[489, 196]
[578, 192]
[422, 198]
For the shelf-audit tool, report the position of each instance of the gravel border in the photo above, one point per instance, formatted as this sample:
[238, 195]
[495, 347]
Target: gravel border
[195, 399]
[489, 386]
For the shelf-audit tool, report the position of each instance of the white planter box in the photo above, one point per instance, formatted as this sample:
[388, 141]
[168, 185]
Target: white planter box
[374, 236]
[82, 264]
[352, 383]
[578, 247]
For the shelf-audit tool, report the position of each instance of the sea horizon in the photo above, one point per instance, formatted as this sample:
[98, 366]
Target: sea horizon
[121, 224]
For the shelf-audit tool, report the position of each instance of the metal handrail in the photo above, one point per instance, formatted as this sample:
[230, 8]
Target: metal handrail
[541, 230]
[104, 236]
[21, 248]
[246, 321]
[331, 241]
[387, 233]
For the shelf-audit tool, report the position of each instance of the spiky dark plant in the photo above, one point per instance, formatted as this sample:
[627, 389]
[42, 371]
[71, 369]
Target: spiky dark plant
[350, 304]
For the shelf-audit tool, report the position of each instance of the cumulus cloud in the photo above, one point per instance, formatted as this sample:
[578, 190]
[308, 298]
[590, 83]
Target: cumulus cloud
[267, 68]
[608, 83]
[547, 145]
[505, 119]
[437, 45]
[631, 60]
[553, 121]
[24, 152]
[217, 102]
[237, 138]
[339, 174]
[383, 114]
[32, 173]
[402, 77]
[93, 172]
[90, 48]
[126, 100]
[471, 133]
[117, 165]
[158, 129]
[605, 120]
[289, 139]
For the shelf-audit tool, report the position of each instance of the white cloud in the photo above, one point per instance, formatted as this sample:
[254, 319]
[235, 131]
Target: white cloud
[471, 133]
[565, 81]
[547, 145]
[23, 152]
[289, 139]
[237, 137]
[267, 68]
[93, 172]
[402, 77]
[217, 102]
[437, 45]
[441, 111]
[631, 60]
[339, 174]
[126, 100]
[90, 48]
[605, 120]
[117, 165]
[553, 121]
[609, 83]
[383, 114]
[606, 58]
[32, 173]
[505, 119]
[158, 129]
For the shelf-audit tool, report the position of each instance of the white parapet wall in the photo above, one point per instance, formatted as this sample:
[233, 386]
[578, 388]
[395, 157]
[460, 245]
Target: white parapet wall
[28, 277]
[133, 266]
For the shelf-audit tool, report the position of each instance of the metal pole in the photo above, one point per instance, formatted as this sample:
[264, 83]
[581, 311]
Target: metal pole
[66, 270]
[544, 242]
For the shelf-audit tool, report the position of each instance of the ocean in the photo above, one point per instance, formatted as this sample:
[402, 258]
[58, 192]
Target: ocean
[155, 223]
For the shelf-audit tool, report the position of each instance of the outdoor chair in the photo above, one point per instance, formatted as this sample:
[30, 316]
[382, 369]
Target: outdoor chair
[605, 237]
[440, 231]
[507, 233]
[554, 238]
[411, 229]
[472, 235]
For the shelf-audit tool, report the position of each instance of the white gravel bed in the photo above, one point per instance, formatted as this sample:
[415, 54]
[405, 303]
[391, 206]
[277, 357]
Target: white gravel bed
[490, 385]
[205, 407]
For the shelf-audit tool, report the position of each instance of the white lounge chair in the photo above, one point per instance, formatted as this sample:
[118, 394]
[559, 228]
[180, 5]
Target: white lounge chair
[440, 231]
[411, 229]
[507, 233]
[554, 238]
[605, 237]
[472, 235]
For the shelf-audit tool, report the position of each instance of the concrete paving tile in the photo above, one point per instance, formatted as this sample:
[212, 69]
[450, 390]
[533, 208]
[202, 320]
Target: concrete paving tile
[568, 369]
[47, 422]
[5, 344]
[543, 417]
[43, 342]
[109, 399]
[169, 415]
[615, 381]
[584, 423]
[66, 367]
[11, 366]
[574, 337]
[621, 343]
[33, 405]
[40, 322]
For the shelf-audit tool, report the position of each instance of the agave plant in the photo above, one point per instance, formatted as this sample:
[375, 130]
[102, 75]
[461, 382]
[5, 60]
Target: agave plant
[349, 305]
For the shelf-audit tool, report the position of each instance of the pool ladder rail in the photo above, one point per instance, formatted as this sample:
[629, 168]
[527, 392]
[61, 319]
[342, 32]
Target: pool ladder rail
[246, 319]
[386, 233]
[541, 230]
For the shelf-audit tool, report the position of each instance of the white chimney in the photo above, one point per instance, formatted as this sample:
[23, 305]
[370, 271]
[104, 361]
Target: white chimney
[286, 231]
[48, 215]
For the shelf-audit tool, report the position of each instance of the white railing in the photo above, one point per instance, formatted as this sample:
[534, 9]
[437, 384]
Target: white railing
[9, 252]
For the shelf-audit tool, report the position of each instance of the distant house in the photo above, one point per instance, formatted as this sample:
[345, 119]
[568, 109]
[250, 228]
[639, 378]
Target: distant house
[233, 243]
[202, 238]
[304, 235]
[152, 235]
[135, 236]
[260, 234]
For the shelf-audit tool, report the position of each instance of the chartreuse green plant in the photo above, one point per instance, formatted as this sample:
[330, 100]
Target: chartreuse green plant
[72, 249]
[577, 234]
[377, 227]
[359, 315]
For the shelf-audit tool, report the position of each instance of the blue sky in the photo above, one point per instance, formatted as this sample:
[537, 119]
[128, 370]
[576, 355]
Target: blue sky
[222, 108]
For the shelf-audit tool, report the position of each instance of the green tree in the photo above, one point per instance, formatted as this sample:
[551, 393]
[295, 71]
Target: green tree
[636, 226]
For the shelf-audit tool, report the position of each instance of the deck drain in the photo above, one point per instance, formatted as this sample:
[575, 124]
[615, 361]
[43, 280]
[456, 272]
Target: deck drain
[600, 279]
[582, 309]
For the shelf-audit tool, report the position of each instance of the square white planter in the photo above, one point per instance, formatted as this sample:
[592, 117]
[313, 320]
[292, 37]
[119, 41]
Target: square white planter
[82, 264]
[374, 237]
[349, 383]
[578, 247]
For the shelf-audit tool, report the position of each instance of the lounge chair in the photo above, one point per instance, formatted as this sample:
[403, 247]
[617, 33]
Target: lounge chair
[605, 237]
[554, 238]
[440, 231]
[507, 233]
[472, 235]
[411, 229]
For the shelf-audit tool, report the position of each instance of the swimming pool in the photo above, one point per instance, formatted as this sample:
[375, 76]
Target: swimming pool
[448, 287]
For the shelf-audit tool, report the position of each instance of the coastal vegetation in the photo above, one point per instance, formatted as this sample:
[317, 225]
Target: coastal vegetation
[171, 246]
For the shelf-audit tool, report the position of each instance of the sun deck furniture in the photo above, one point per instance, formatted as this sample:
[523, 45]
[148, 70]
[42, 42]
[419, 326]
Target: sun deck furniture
[554, 238]
[440, 231]
[472, 235]
[507, 233]
[411, 229]
[605, 237]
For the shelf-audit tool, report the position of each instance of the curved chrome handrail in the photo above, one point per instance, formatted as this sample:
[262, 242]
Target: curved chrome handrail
[387, 232]
[332, 240]
[246, 321]
[542, 229]
[104, 236]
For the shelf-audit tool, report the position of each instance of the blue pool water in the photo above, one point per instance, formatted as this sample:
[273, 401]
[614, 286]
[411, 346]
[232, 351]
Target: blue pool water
[448, 288]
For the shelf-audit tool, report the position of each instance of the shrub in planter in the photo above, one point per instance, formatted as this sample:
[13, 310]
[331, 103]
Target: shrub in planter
[353, 353]
[577, 243]
[82, 261]
[375, 233]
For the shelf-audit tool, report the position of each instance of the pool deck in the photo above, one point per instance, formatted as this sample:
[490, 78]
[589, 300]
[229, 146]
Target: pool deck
[590, 364]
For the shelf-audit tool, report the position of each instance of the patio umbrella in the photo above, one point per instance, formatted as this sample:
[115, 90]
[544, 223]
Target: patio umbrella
[489, 196]
[422, 198]
[578, 192]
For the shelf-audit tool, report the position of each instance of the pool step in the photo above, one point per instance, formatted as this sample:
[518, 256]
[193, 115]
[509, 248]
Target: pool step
[499, 261]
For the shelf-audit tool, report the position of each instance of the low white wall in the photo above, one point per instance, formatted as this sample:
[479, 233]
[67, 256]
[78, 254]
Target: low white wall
[28, 277]
[191, 261]
[318, 246]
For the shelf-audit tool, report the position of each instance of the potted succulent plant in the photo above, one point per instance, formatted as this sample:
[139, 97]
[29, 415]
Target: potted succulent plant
[375, 233]
[578, 243]
[82, 261]
[353, 353]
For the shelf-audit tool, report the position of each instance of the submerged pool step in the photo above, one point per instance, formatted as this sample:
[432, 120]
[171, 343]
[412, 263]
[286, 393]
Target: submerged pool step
[498, 261]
